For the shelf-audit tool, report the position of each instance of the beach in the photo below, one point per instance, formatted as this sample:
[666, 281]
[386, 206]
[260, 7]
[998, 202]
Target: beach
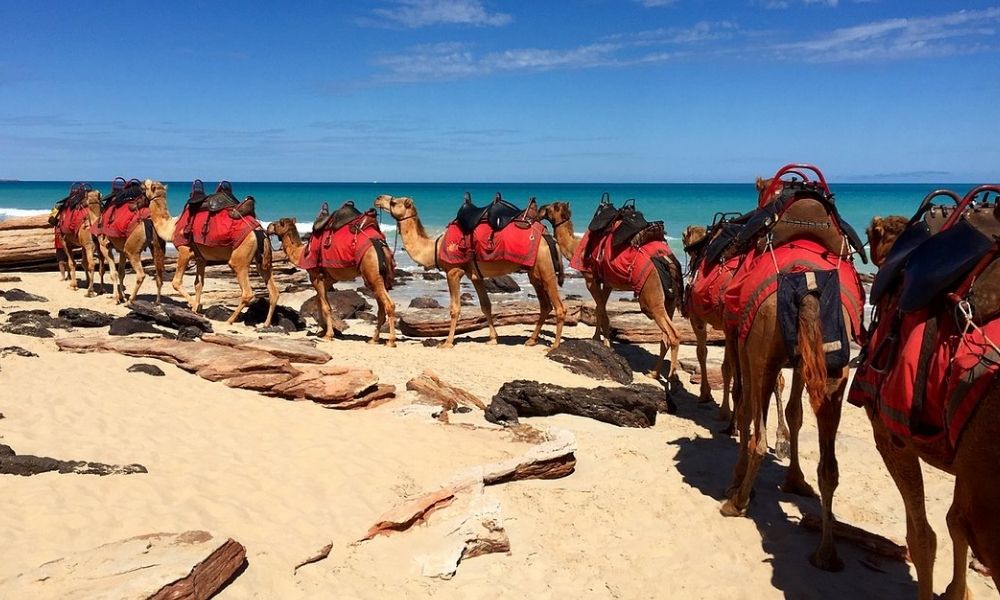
[638, 518]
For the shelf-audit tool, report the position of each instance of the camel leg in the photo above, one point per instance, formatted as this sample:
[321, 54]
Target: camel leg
[670, 339]
[701, 336]
[732, 356]
[321, 285]
[595, 292]
[550, 291]
[485, 305]
[958, 588]
[267, 273]
[120, 288]
[455, 308]
[140, 274]
[89, 262]
[741, 420]
[199, 281]
[159, 265]
[827, 421]
[105, 247]
[781, 439]
[544, 307]
[604, 321]
[386, 309]
[184, 255]
[242, 271]
[725, 412]
[795, 481]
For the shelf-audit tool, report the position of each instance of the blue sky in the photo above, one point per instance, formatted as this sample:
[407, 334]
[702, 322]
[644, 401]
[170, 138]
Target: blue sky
[485, 90]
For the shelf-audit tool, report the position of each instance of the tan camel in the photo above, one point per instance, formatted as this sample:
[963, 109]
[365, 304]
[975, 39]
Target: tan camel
[131, 248]
[973, 518]
[239, 258]
[324, 278]
[423, 250]
[82, 238]
[652, 300]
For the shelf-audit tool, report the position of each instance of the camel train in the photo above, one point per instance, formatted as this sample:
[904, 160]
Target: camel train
[779, 282]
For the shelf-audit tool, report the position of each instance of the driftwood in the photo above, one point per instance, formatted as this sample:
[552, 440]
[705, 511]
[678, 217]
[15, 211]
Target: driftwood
[12, 463]
[871, 542]
[434, 322]
[632, 406]
[429, 385]
[593, 359]
[630, 325]
[26, 244]
[315, 558]
[193, 565]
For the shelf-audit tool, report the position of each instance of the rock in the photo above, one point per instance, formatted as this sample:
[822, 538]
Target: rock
[593, 359]
[12, 463]
[429, 386]
[284, 317]
[401, 274]
[430, 343]
[478, 531]
[27, 329]
[9, 279]
[171, 316]
[146, 368]
[84, 317]
[19, 295]
[37, 317]
[466, 299]
[630, 325]
[189, 333]
[424, 302]
[193, 565]
[277, 329]
[433, 322]
[432, 276]
[632, 406]
[322, 554]
[327, 384]
[218, 312]
[503, 284]
[130, 325]
[573, 297]
[17, 351]
[402, 517]
[345, 304]
[713, 366]
[367, 317]
[302, 351]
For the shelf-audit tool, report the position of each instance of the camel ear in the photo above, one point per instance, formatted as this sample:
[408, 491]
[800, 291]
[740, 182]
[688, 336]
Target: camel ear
[407, 202]
[293, 220]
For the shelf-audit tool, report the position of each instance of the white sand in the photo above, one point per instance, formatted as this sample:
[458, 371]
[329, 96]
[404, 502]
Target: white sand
[638, 519]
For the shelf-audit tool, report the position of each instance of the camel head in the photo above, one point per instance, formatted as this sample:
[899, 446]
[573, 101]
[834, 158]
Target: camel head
[557, 213]
[156, 192]
[692, 235]
[882, 234]
[282, 226]
[762, 184]
[400, 208]
[93, 198]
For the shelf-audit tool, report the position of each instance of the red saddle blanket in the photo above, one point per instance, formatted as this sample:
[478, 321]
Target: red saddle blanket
[961, 368]
[757, 279]
[119, 221]
[70, 220]
[182, 230]
[512, 244]
[345, 247]
[222, 229]
[625, 269]
[707, 291]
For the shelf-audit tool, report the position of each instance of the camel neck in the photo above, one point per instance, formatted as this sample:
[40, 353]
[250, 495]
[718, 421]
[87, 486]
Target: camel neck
[163, 223]
[415, 241]
[565, 238]
[291, 242]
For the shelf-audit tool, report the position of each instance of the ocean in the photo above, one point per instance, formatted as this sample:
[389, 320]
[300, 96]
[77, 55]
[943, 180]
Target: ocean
[677, 204]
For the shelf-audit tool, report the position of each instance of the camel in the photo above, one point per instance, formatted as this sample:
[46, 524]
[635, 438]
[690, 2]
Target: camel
[652, 300]
[324, 278]
[131, 248]
[972, 518]
[423, 250]
[86, 241]
[239, 258]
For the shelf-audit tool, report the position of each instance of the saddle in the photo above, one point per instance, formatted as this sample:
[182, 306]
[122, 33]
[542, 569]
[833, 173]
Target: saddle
[499, 214]
[337, 219]
[223, 198]
[128, 192]
[197, 197]
[633, 228]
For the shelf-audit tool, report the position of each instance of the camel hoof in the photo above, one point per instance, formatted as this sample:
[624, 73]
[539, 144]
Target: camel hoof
[530, 342]
[446, 345]
[798, 487]
[373, 341]
[89, 295]
[491, 342]
[782, 449]
[390, 344]
[706, 398]
[729, 509]
[953, 593]
[607, 343]
[654, 374]
[831, 563]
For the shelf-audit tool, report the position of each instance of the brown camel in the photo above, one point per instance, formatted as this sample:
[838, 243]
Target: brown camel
[324, 278]
[972, 518]
[423, 250]
[131, 248]
[653, 301]
[239, 258]
[82, 238]
[699, 324]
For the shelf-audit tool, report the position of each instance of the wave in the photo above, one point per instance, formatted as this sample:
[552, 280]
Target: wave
[6, 213]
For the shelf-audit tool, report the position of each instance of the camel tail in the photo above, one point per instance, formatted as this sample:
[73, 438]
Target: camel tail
[813, 363]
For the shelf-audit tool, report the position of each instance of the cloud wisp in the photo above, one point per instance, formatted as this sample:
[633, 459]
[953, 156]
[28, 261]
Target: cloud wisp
[413, 14]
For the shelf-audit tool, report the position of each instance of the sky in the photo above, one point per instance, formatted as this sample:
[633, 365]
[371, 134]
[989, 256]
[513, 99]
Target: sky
[500, 91]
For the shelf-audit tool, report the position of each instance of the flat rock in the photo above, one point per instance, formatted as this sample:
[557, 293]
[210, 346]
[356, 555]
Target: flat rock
[430, 387]
[632, 406]
[27, 329]
[713, 366]
[146, 368]
[503, 284]
[19, 295]
[593, 359]
[432, 276]
[424, 302]
[295, 350]
[433, 322]
[189, 333]
[193, 565]
[630, 325]
[328, 384]
[284, 317]
[171, 316]
[84, 317]
[128, 325]
[25, 465]
[16, 351]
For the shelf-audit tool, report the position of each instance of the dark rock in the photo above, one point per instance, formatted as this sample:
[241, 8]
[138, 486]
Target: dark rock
[344, 304]
[432, 276]
[17, 351]
[284, 317]
[171, 316]
[593, 359]
[189, 333]
[367, 317]
[401, 274]
[273, 329]
[218, 312]
[146, 368]
[632, 406]
[9, 279]
[504, 284]
[430, 343]
[33, 323]
[84, 317]
[25, 464]
[424, 302]
[462, 409]
[466, 299]
[132, 324]
[574, 297]
[19, 295]
[28, 329]
[364, 291]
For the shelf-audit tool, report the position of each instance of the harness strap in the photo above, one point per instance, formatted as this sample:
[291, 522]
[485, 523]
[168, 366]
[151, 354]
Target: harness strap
[920, 378]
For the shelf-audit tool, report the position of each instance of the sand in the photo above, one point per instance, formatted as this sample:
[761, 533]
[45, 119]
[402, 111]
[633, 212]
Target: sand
[638, 519]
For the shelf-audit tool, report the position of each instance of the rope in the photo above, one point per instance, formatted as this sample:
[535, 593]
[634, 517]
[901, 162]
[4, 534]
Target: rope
[965, 309]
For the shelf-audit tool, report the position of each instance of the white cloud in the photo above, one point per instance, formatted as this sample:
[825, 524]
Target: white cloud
[655, 3]
[422, 13]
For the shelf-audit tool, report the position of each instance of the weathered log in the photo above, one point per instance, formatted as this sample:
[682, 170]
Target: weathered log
[871, 542]
[430, 386]
[593, 359]
[630, 325]
[193, 565]
[26, 244]
[431, 322]
[12, 463]
[632, 406]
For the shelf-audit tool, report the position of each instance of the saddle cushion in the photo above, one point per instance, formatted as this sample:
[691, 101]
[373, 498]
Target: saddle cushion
[220, 229]
[757, 279]
[183, 226]
[344, 247]
[118, 220]
[512, 244]
[498, 214]
[623, 269]
[347, 213]
[808, 217]
[71, 219]
[706, 292]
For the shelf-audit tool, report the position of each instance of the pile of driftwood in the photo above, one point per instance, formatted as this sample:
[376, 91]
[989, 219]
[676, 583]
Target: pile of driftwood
[27, 244]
